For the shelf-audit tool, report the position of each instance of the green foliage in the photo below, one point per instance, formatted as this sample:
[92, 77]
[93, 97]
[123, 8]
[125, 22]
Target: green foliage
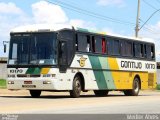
[2, 83]
[158, 87]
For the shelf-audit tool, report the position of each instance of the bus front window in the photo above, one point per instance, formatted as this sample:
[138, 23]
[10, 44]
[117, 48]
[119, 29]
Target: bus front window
[35, 49]
[18, 53]
[43, 49]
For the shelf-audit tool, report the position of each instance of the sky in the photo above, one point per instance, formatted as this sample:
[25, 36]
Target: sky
[111, 16]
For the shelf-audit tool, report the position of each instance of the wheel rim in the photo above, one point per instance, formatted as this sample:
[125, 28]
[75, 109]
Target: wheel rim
[78, 87]
[136, 86]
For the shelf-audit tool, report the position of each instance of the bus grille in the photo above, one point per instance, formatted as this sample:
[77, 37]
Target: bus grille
[28, 75]
[150, 79]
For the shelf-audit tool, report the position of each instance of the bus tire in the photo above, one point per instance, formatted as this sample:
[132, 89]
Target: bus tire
[35, 93]
[77, 87]
[101, 93]
[135, 90]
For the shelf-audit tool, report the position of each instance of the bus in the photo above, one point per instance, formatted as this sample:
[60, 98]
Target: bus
[64, 58]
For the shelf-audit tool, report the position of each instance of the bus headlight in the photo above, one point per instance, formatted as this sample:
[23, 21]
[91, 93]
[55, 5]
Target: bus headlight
[10, 82]
[46, 82]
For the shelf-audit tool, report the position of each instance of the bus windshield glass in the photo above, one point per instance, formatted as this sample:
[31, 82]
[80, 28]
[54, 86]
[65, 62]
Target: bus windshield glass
[33, 49]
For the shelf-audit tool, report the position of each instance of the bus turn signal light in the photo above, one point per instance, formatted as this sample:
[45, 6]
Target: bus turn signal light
[10, 82]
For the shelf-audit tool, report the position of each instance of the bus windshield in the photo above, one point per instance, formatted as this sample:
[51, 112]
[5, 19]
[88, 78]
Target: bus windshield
[33, 49]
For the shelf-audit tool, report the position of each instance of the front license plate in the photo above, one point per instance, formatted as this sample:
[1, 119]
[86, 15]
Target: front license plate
[29, 86]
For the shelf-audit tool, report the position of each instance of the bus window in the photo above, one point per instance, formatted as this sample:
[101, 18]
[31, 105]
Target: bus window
[128, 47]
[93, 44]
[137, 50]
[145, 51]
[83, 43]
[68, 36]
[123, 48]
[103, 46]
[148, 52]
[98, 45]
[152, 52]
[142, 50]
[110, 46]
[88, 49]
[76, 44]
[63, 53]
[116, 47]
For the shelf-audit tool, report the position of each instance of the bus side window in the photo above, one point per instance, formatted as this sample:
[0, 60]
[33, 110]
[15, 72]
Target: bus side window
[145, 51]
[123, 48]
[76, 44]
[110, 46]
[88, 49]
[142, 50]
[103, 46]
[83, 43]
[93, 44]
[137, 50]
[148, 51]
[128, 50]
[98, 44]
[116, 47]
[152, 52]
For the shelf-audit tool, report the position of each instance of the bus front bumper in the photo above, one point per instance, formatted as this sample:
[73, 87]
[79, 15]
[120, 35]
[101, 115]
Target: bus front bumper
[35, 84]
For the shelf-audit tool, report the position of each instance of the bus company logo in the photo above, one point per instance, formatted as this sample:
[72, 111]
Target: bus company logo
[82, 61]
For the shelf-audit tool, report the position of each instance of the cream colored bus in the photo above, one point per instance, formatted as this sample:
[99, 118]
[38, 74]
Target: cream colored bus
[74, 59]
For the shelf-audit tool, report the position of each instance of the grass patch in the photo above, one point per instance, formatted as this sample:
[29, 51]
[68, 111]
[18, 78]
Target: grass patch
[158, 87]
[2, 83]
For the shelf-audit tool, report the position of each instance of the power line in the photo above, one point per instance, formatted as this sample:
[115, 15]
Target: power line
[149, 18]
[89, 13]
[149, 29]
[149, 4]
[95, 15]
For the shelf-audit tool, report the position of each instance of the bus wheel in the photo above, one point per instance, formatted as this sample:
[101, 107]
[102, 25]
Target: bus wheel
[77, 87]
[35, 93]
[135, 90]
[101, 93]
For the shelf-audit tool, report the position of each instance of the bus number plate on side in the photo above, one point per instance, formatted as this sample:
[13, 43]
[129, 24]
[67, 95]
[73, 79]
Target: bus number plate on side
[29, 86]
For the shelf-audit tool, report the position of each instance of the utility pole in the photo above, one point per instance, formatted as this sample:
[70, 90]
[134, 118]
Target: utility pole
[137, 20]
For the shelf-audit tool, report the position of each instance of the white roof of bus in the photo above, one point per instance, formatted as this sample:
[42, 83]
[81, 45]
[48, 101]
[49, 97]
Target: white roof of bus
[116, 35]
[56, 27]
[40, 27]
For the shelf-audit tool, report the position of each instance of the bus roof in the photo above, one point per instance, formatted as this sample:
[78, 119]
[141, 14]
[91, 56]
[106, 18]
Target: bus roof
[148, 40]
[57, 27]
[40, 27]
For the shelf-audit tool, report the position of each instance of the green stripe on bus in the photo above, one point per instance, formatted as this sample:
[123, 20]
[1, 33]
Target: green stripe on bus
[100, 79]
[33, 71]
[104, 62]
[109, 79]
[107, 74]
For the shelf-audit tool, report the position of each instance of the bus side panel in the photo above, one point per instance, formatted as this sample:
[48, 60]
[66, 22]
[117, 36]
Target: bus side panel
[155, 80]
[143, 79]
[108, 73]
